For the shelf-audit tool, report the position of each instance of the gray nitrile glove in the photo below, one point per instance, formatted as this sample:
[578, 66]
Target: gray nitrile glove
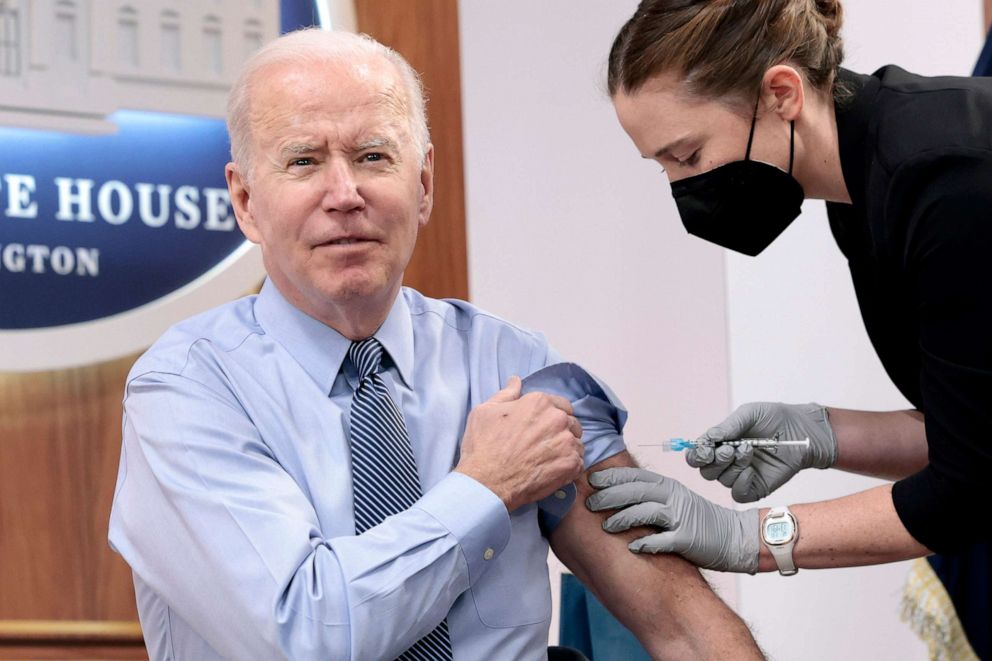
[753, 473]
[702, 532]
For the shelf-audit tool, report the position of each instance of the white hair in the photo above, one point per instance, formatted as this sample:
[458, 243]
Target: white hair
[313, 45]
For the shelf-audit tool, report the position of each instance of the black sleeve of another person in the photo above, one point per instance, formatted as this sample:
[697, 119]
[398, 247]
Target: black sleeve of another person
[946, 261]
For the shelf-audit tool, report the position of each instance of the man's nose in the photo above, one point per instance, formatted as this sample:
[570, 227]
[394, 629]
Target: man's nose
[341, 187]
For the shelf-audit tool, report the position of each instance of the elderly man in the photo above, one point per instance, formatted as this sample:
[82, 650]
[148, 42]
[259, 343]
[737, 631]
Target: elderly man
[339, 468]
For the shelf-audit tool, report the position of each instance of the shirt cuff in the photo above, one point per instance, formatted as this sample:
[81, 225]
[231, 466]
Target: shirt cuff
[474, 516]
[551, 510]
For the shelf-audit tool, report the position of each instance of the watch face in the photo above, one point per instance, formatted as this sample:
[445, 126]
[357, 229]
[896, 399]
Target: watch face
[779, 531]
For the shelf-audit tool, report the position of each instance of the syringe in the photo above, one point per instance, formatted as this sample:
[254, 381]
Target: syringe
[679, 444]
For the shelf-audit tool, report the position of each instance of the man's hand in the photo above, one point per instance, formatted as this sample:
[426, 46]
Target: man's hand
[702, 532]
[752, 473]
[522, 448]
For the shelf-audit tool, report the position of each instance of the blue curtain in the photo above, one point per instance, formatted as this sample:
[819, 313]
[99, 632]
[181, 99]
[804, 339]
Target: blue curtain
[984, 65]
[967, 578]
[587, 626]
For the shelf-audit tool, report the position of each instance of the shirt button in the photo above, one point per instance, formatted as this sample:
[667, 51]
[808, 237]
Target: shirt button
[560, 494]
[488, 555]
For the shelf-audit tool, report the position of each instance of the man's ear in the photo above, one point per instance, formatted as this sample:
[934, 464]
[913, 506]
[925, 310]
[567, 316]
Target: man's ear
[783, 92]
[426, 187]
[240, 193]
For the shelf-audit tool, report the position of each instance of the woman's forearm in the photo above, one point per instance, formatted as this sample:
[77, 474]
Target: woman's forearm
[860, 529]
[890, 444]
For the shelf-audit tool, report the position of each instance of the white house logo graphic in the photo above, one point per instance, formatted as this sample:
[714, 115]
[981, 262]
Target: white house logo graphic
[114, 215]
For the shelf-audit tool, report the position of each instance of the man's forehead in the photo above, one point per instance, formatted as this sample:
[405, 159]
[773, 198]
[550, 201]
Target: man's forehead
[289, 95]
[343, 82]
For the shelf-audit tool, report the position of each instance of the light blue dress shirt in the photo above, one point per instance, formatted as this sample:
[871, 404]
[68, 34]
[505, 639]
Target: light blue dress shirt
[234, 500]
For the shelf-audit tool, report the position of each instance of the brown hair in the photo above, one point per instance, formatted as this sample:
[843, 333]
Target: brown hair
[722, 48]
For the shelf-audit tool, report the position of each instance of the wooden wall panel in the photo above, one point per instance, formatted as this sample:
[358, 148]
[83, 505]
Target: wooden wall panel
[59, 449]
[71, 640]
[425, 32]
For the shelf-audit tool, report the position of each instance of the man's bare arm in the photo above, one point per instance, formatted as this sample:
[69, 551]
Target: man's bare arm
[662, 599]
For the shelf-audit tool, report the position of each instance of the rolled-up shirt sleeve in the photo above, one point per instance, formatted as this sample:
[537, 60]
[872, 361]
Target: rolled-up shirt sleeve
[202, 501]
[597, 409]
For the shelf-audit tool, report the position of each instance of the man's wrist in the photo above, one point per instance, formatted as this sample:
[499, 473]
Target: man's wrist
[483, 478]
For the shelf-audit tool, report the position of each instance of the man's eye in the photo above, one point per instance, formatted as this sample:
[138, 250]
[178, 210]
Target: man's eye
[373, 157]
[301, 162]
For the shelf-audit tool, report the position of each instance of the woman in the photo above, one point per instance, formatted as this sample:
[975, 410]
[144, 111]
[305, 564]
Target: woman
[745, 106]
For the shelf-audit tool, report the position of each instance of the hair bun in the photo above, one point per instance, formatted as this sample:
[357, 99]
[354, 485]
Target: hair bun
[833, 16]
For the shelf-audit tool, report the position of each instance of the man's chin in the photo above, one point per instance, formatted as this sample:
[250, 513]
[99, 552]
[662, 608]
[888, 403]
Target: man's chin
[358, 291]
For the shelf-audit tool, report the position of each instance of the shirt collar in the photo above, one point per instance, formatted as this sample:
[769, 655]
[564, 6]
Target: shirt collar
[320, 349]
[854, 113]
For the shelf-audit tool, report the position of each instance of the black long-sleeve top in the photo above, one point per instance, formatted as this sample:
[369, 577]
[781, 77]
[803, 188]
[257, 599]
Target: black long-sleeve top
[916, 154]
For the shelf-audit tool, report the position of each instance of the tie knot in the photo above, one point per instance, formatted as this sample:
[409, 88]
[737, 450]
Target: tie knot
[366, 355]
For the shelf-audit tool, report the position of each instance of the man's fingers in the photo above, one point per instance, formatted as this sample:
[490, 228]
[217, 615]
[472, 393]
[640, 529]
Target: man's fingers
[580, 456]
[641, 514]
[510, 392]
[561, 403]
[722, 457]
[574, 426]
[621, 475]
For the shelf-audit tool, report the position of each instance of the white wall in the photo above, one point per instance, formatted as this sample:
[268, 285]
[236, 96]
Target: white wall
[796, 335]
[571, 233]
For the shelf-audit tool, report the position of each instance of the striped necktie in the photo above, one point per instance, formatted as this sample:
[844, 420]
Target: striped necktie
[383, 469]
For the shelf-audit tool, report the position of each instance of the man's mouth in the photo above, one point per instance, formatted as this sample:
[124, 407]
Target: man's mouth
[348, 241]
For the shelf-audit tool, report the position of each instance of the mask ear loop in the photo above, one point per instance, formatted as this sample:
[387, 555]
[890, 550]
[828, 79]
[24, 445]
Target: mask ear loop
[750, 135]
[792, 136]
[792, 143]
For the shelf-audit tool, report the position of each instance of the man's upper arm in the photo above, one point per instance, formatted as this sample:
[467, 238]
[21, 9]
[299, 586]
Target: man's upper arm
[652, 595]
[207, 517]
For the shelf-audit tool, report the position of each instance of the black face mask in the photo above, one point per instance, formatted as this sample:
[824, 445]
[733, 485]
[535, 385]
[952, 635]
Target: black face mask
[743, 205]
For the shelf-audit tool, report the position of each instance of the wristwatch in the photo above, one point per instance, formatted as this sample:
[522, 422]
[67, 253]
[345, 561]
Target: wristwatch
[779, 532]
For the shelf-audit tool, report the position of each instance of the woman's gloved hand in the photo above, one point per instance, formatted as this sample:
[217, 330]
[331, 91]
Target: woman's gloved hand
[702, 532]
[753, 473]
